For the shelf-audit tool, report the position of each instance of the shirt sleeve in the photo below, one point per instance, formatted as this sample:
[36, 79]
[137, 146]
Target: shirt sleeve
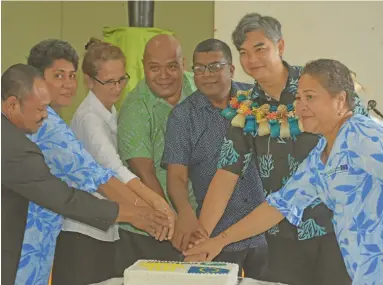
[236, 151]
[177, 148]
[133, 134]
[93, 133]
[365, 147]
[297, 194]
[66, 156]
[35, 182]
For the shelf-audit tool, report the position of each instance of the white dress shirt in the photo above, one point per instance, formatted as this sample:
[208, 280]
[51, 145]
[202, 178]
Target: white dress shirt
[96, 127]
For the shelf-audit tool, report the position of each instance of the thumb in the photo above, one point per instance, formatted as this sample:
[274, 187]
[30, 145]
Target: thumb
[210, 256]
[191, 251]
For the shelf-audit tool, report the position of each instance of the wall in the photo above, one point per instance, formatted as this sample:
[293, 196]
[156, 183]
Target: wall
[351, 32]
[26, 23]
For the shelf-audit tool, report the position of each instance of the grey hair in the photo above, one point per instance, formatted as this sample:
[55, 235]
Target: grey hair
[44, 53]
[252, 22]
[210, 45]
[18, 81]
[334, 76]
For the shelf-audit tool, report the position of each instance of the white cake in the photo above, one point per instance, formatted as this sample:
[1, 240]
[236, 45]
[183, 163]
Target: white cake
[152, 272]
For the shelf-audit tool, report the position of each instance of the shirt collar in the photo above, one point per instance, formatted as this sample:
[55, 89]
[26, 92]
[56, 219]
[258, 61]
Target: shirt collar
[96, 104]
[185, 92]
[291, 83]
[202, 101]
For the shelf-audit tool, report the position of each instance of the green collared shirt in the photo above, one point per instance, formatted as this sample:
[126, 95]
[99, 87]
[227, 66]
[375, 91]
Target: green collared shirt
[142, 126]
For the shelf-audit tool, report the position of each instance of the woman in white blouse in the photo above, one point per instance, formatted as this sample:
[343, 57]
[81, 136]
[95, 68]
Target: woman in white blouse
[84, 254]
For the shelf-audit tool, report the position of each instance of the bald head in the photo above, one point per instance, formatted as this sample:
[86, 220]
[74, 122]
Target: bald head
[164, 67]
[163, 44]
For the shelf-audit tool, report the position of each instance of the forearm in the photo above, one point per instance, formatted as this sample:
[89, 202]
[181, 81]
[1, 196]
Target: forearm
[179, 193]
[145, 170]
[258, 221]
[141, 190]
[117, 191]
[220, 190]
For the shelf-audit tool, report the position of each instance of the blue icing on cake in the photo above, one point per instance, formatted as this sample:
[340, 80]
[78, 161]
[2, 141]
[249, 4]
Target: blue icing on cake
[203, 270]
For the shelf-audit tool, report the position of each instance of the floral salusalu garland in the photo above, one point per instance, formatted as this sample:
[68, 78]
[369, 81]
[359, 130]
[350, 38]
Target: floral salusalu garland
[262, 120]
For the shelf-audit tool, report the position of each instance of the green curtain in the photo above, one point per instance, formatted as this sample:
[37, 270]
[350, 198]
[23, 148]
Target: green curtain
[132, 41]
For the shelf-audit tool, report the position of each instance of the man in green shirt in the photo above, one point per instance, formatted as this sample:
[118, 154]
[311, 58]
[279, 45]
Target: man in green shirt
[141, 133]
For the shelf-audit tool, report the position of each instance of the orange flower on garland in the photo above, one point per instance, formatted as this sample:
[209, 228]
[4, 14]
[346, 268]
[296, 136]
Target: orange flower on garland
[272, 116]
[234, 103]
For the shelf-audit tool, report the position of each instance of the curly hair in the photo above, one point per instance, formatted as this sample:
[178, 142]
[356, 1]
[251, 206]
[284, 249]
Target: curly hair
[43, 54]
[334, 76]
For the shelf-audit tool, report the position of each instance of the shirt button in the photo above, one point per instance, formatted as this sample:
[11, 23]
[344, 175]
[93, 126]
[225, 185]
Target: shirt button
[245, 200]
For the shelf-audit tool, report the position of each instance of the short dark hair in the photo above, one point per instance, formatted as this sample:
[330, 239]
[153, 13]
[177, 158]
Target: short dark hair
[18, 81]
[271, 27]
[210, 45]
[43, 54]
[334, 76]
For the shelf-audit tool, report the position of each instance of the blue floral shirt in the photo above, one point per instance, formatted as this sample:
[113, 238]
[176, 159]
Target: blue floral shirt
[69, 161]
[350, 184]
[278, 159]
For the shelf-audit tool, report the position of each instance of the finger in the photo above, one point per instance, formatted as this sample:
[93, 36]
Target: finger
[164, 222]
[158, 229]
[177, 239]
[210, 256]
[195, 237]
[202, 234]
[162, 213]
[193, 251]
[185, 241]
[151, 231]
[171, 232]
[197, 242]
[164, 233]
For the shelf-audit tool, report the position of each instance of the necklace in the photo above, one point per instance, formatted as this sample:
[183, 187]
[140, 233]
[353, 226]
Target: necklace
[261, 120]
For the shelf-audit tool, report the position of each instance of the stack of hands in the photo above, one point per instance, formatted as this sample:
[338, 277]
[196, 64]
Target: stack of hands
[193, 240]
[185, 232]
[155, 217]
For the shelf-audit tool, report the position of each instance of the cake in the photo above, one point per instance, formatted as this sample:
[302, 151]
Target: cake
[148, 272]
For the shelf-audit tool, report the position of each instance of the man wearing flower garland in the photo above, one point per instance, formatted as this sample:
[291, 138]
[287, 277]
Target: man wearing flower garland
[194, 136]
[264, 125]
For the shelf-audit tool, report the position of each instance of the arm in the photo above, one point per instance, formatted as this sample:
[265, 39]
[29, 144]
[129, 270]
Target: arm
[134, 143]
[365, 148]
[92, 131]
[218, 195]
[28, 175]
[231, 165]
[176, 156]
[94, 134]
[144, 168]
[290, 202]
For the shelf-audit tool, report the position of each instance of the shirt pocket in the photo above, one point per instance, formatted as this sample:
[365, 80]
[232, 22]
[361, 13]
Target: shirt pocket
[345, 188]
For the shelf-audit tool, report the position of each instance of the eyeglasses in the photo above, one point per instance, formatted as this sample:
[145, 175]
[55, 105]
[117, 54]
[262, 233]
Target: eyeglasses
[112, 83]
[212, 67]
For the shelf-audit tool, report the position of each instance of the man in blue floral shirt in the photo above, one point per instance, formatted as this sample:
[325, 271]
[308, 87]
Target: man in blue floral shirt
[264, 126]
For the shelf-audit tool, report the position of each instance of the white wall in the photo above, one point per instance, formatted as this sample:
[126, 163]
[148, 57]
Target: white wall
[351, 32]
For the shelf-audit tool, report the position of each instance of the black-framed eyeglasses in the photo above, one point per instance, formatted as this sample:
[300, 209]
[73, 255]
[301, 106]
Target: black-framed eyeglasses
[212, 67]
[112, 83]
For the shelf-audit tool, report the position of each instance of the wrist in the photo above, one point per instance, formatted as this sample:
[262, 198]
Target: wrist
[222, 239]
[186, 210]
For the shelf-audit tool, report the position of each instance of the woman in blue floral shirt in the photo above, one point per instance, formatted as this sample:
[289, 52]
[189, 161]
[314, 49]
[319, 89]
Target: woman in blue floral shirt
[344, 171]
